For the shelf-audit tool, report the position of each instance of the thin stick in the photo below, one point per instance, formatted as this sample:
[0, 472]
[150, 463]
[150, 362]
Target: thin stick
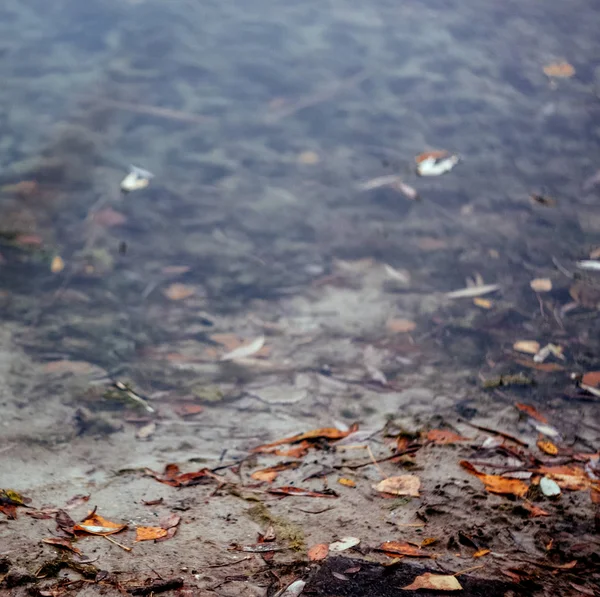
[375, 462]
[468, 570]
[229, 563]
[117, 543]
[512, 438]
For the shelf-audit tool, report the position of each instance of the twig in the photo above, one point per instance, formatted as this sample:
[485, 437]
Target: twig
[512, 438]
[410, 450]
[229, 563]
[375, 462]
[469, 570]
[117, 543]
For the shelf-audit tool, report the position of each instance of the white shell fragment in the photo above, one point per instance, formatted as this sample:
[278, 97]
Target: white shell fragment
[549, 487]
[344, 543]
[433, 166]
[138, 178]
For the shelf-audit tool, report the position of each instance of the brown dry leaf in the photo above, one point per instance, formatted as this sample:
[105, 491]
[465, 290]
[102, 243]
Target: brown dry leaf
[496, 483]
[95, 524]
[401, 548]
[482, 302]
[547, 447]
[402, 485]
[309, 158]
[76, 500]
[346, 482]
[434, 582]
[428, 541]
[481, 552]
[178, 292]
[289, 490]
[330, 433]
[57, 265]
[527, 346]
[535, 511]
[559, 70]
[591, 378]
[9, 510]
[531, 411]
[400, 326]
[298, 451]
[318, 552]
[567, 477]
[175, 478]
[541, 284]
[442, 436]
[187, 409]
[62, 542]
[546, 367]
[109, 217]
[149, 533]
[270, 473]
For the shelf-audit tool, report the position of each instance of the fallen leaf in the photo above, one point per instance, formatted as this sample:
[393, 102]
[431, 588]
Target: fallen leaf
[400, 326]
[178, 292]
[481, 552]
[10, 497]
[62, 542]
[567, 477]
[137, 179]
[531, 411]
[339, 575]
[294, 589]
[318, 552]
[402, 485]
[409, 192]
[95, 524]
[153, 502]
[149, 533]
[329, 433]
[298, 451]
[591, 378]
[442, 436]
[108, 217]
[169, 521]
[528, 346]
[57, 265]
[541, 284]
[64, 523]
[344, 543]
[435, 154]
[146, 431]
[245, 350]
[434, 582]
[9, 510]
[346, 482]
[401, 548]
[309, 158]
[428, 541]
[535, 511]
[289, 490]
[175, 478]
[559, 70]
[74, 367]
[483, 303]
[496, 483]
[23, 188]
[187, 410]
[546, 367]
[547, 447]
[270, 473]
[76, 500]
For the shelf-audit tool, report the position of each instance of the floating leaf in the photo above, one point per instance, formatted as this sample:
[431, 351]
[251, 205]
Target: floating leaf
[400, 326]
[531, 411]
[442, 436]
[401, 548]
[149, 533]
[57, 265]
[289, 490]
[496, 483]
[346, 482]
[318, 552]
[434, 582]
[402, 485]
[329, 433]
[559, 70]
[527, 346]
[344, 543]
[178, 292]
[95, 524]
[541, 284]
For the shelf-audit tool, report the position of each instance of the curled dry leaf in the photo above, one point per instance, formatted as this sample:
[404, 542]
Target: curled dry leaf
[401, 548]
[531, 411]
[434, 582]
[442, 436]
[547, 447]
[318, 552]
[63, 543]
[344, 543]
[400, 326]
[496, 483]
[559, 70]
[329, 433]
[178, 292]
[149, 533]
[346, 482]
[541, 285]
[402, 485]
[270, 473]
[527, 346]
[94, 524]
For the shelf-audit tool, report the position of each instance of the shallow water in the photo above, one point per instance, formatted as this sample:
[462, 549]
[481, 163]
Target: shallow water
[260, 121]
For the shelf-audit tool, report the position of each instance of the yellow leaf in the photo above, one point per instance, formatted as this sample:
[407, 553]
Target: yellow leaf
[483, 303]
[401, 485]
[541, 284]
[481, 552]
[149, 533]
[434, 582]
[547, 447]
[346, 482]
[57, 265]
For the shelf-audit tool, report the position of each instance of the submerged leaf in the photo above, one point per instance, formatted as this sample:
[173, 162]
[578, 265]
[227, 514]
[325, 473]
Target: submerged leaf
[318, 552]
[344, 543]
[178, 292]
[329, 433]
[496, 483]
[400, 326]
[401, 548]
[442, 436]
[57, 265]
[247, 350]
[531, 411]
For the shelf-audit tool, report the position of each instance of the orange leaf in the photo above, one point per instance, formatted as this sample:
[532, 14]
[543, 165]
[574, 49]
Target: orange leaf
[561, 70]
[534, 510]
[401, 485]
[318, 552]
[187, 410]
[481, 552]
[296, 452]
[531, 411]
[178, 292]
[496, 483]
[547, 367]
[566, 477]
[149, 533]
[400, 548]
[330, 433]
[591, 378]
[94, 524]
[434, 582]
[441, 436]
[546, 446]
[270, 473]
[346, 482]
